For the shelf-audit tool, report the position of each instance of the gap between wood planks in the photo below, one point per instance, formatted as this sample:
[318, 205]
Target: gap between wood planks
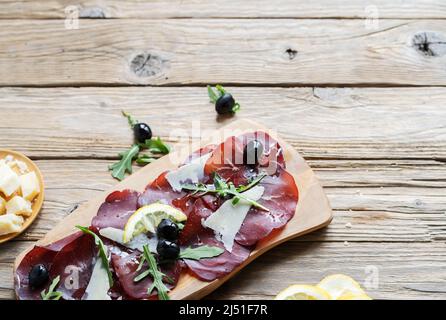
[377, 85]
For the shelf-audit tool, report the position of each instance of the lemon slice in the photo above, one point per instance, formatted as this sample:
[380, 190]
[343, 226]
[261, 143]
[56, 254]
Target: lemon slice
[351, 296]
[147, 218]
[338, 285]
[303, 292]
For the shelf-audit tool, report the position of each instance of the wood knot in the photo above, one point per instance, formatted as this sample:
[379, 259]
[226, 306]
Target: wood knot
[291, 53]
[429, 44]
[147, 64]
[92, 13]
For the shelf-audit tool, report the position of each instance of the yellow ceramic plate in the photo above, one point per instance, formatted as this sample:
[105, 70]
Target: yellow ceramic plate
[38, 201]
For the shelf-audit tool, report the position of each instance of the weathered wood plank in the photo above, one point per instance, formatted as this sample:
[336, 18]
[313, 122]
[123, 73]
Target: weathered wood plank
[363, 210]
[331, 123]
[406, 271]
[253, 51]
[32, 9]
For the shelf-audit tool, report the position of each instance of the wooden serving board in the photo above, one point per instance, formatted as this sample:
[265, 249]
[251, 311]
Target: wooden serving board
[313, 210]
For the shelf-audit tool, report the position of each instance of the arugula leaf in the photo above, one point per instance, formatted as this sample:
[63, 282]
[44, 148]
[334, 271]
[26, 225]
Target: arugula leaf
[132, 121]
[220, 89]
[156, 146]
[220, 184]
[51, 294]
[144, 159]
[154, 272]
[102, 251]
[224, 189]
[125, 164]
[180, 225]
[200, 252]
[196, 188]
[213, 97]
[250, 201]
[252, 183]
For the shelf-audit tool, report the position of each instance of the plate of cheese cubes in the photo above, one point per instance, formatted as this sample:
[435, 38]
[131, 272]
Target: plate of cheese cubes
[21, 193]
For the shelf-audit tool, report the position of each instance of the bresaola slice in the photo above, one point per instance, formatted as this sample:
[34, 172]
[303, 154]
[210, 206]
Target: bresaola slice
[280, 198]
[67, 257]
[125, 264]
[217, 267]
[74, 264]
[227, 158]
[116, 210]
[160, 189]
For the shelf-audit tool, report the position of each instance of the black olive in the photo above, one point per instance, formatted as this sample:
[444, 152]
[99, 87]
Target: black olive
[252, 153]
[225, 104]
[167, 229]
[142, 132]
[167, 250]
[38, 276]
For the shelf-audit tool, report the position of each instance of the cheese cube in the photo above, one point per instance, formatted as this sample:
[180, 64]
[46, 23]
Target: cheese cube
[20, 206]
[30, 185]
[10, 223]
[19, 167]
[9, 180]
[2, 206]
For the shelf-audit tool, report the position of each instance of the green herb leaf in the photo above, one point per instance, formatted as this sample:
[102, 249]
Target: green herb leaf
[145, 159]
[51, 294]
[180, 225]
[195, 188]
[236, 107]
[220, 183]
[132, 121]
[252, 183]
[102, 251]
[223, 189]
[213, 97]
[156, 146]
[125, 164]
[220, 89]
[142, 275]
[202, 252]
[154, 272]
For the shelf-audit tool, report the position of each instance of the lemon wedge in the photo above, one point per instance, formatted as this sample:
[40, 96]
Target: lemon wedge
[339, 285]
[147, 218]
[303, 292]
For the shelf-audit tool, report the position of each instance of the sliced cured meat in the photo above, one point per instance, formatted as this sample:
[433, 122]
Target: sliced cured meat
[74, 264]
[280, 198]
[161, 191]
[200, 152]
[194, 226]
[227, 158]
[125, 264]
[116, 210]
[74, 250]
[217, 267]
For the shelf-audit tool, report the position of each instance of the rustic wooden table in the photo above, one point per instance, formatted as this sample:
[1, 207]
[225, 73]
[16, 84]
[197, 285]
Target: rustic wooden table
[358, 87]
